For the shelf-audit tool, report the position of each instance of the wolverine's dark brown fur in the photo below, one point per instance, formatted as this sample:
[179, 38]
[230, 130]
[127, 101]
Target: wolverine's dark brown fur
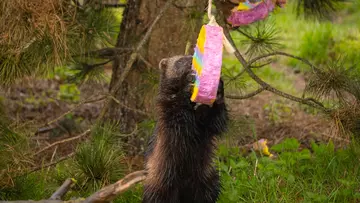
[179, 158]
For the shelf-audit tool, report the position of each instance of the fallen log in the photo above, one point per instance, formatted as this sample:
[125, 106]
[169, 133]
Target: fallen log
[104, 195]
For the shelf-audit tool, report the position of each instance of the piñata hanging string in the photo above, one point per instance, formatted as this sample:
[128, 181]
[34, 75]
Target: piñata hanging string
[212, 21]
[207, 60]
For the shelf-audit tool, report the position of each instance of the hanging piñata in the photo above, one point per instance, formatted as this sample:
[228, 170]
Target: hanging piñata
[207, 61]
[247, 12]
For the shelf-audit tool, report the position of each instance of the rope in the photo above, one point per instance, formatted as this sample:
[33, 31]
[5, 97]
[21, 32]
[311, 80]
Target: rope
[212, 21]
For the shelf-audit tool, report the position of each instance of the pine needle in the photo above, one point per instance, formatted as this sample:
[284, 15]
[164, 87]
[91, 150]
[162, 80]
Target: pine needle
[37, 35]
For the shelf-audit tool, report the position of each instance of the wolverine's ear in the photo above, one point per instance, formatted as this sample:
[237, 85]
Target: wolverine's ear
[163, 64]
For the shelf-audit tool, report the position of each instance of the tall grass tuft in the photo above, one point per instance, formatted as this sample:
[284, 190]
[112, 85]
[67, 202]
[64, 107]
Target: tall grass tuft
[98, 160]
[316, 43]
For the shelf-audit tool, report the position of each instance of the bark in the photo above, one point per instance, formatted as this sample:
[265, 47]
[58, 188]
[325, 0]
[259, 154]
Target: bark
[179, 25]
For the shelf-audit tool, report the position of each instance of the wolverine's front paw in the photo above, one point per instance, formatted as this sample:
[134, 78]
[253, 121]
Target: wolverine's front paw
[220, 93]
[190, 82]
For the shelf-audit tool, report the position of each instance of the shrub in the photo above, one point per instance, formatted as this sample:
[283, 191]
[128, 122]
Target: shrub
[98, 160]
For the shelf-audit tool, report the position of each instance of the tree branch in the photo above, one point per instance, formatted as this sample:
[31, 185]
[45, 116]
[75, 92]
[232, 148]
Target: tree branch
[51, 163]
[105, 53]
[247, 68]
[109, 193]
[247, 96]
[128, 108]
[114, 5]
[243, 71]
[71, 110]
[63, 141]
[63, 189]
[314, 68]
[105, 194]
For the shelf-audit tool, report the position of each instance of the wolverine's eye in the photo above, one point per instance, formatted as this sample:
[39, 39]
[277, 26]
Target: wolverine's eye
[184, 62]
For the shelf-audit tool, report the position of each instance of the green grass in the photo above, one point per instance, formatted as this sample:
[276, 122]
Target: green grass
[319, 174]
[320, 42]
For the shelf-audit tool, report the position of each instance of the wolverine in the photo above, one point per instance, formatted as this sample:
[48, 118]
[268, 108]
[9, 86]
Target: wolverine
[179, 157]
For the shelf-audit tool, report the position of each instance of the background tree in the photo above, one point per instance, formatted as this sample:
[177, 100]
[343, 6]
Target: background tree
[177, 27]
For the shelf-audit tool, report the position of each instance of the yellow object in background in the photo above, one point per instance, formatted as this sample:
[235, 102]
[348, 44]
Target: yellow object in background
[262, 147]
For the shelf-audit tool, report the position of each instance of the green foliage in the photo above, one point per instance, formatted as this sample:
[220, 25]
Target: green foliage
[319, 9]
[337, 78]
[277, 111]
[32, 186]
[260, 38]
[14, 150]
[320, 42]
[42, 35]
[134, 195]
[323, 175]
[316, 43]
[98, 160]
[69, 92]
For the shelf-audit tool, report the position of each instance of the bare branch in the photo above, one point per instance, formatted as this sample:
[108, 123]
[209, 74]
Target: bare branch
[109, 193]
[71, 110]
[63, 189]
[63, 141]
[314, 68]
[143, 113]
[261, 65]
[106, 53]
[52, 163]
[243, 71]
[106, 194]
[247, 96]
[110, 5]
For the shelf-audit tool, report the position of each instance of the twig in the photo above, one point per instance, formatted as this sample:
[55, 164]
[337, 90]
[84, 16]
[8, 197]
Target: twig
[108, 193]
[247, 95]
[52, 163]
[63, 141]
[261, 65]
[147, 63]
[77, 106]
[284, 54]
[243, 71]
[245, 34]
[128, 108]
[51, 160]
[63, 189]
[106, 53]
[109, 5]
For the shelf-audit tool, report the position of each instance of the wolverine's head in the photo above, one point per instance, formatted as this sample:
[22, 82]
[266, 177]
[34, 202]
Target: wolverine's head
[176, 66]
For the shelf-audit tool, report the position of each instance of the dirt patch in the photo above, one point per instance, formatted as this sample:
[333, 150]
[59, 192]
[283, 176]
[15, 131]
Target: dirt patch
[272, 117]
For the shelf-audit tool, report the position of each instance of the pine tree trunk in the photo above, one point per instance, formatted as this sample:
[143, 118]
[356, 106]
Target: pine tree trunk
[179, 25]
